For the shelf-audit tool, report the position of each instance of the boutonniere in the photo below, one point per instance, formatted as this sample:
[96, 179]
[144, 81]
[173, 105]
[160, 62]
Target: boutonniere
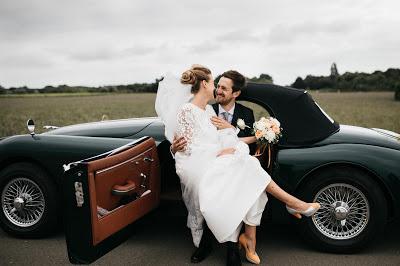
[241, 124]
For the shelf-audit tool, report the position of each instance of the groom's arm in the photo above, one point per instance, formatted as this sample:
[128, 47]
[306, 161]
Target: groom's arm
[249, 122]
[253, 145]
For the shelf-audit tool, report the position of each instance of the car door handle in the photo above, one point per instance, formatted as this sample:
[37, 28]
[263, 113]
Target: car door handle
[124, 190]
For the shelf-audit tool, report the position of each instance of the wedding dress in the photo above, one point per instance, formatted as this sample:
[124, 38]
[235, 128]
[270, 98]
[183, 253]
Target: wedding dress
[222, 190]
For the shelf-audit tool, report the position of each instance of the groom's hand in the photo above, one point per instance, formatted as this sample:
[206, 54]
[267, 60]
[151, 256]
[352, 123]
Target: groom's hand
[220, 123]
[178, 144]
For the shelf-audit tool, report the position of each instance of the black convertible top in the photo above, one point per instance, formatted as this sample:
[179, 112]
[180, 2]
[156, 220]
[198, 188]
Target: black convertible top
[302, 120]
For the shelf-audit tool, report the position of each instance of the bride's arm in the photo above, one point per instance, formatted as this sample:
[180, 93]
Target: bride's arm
[185, 127]
[248, 140]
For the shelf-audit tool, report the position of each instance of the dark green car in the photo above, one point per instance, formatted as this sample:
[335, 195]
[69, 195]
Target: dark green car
[353, 172]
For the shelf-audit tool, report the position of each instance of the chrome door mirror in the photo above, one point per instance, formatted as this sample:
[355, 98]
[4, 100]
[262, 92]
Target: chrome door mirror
[31, 126]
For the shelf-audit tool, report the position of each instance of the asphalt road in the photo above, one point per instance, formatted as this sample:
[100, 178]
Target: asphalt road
[165, 240]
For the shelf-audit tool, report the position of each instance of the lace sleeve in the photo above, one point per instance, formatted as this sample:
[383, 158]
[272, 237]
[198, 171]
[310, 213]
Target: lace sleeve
[186, 121]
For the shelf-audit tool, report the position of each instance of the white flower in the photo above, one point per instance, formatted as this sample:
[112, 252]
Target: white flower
[240, 123]
[270, 136]
[276, 122]
[260, 125]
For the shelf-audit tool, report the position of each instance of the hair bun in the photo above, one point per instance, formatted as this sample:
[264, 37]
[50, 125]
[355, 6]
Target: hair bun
[188, 77]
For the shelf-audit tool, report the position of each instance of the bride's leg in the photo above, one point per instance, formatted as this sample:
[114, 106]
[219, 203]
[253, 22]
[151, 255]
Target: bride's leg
[285, 197]
[248, 242]
[250, 233]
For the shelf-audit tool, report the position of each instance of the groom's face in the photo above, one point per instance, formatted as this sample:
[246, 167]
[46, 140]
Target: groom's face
[225, 94]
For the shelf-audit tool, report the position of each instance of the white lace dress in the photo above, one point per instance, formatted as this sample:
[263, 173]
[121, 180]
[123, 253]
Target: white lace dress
[224, 190]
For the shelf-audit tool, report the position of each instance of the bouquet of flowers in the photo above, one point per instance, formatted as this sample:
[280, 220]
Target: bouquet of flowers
[267, 130]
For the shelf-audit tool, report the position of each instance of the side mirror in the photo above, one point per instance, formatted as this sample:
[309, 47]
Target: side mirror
[31, 126]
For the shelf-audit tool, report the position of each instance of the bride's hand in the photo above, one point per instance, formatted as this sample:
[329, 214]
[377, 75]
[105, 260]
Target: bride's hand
[220, 123]
[226, 151]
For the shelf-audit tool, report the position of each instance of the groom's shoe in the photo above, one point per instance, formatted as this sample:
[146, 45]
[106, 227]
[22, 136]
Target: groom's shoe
[233, 255]
[204, 249]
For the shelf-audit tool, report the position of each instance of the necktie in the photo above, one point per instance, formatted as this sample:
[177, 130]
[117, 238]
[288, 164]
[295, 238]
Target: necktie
[226, 116]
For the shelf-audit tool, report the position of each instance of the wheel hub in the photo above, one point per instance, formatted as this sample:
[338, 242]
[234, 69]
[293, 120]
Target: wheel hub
[19, 203]
[341, 210]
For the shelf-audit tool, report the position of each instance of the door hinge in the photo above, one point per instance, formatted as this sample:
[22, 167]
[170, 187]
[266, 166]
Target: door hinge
[79, 194]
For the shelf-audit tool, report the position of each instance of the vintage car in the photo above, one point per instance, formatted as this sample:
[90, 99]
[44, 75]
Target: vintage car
[110, 173]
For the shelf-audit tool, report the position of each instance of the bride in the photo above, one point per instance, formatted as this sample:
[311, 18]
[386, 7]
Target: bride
[221, 183]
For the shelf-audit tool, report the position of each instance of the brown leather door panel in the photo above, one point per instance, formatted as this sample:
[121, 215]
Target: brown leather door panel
[133, 170]
[138, 165]
[104, 194]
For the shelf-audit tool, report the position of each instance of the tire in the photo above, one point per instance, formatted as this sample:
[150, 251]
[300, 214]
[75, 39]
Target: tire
[324, 230]
[28, 201]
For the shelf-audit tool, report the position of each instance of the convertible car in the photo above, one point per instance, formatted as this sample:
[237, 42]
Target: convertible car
[100, 177]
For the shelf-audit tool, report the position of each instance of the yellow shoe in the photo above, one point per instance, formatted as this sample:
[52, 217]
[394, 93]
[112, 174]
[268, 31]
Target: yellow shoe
[251, 257]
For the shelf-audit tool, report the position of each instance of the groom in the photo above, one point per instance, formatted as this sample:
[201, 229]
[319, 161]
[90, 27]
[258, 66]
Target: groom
[229, 111]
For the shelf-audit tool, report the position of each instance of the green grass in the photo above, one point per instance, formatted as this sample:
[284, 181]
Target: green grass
[67, 110]
[371, 109]
[58, 94]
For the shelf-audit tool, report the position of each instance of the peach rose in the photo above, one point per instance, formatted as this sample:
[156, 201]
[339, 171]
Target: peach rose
[258, 134]
[276, 129]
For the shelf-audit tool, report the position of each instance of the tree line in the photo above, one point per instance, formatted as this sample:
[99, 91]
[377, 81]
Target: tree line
[388, 80]
[130, 88]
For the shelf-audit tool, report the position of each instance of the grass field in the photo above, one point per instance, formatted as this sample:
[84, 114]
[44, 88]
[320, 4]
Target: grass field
[372, 109]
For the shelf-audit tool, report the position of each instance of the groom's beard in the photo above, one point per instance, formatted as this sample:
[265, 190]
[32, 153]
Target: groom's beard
[222, 100]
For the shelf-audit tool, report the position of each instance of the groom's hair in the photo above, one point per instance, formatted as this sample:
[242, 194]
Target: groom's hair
[239, 81]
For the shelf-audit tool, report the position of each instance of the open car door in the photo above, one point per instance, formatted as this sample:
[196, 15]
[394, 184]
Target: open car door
[104, 194]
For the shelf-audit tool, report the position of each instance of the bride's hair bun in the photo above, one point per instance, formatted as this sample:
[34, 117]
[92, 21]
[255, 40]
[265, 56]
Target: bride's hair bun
[194, 76]
[188, 77]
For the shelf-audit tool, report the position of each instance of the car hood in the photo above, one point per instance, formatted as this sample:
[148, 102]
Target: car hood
[122, 128]
[367, 136]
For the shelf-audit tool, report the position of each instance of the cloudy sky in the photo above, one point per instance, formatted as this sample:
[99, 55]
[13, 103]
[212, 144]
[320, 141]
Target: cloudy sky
[98, 42]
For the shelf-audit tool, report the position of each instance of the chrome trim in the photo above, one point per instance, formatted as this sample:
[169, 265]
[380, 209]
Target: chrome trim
[50, 127]
[124, 162]
[79, 194]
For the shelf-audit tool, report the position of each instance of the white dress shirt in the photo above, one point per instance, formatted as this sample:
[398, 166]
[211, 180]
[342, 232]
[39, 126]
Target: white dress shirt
[221, 110]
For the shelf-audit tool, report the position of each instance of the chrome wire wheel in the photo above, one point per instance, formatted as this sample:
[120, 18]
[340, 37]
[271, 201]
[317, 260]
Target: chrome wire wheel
[344, 211]
[22, 202]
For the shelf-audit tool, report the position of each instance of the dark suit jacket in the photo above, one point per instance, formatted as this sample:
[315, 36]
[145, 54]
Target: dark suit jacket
[247, 115]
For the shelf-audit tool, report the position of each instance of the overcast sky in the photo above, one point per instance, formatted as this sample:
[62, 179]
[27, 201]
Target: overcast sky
[82, 42]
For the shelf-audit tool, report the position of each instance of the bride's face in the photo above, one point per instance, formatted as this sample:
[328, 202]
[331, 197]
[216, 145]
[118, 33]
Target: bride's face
[209, 87]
